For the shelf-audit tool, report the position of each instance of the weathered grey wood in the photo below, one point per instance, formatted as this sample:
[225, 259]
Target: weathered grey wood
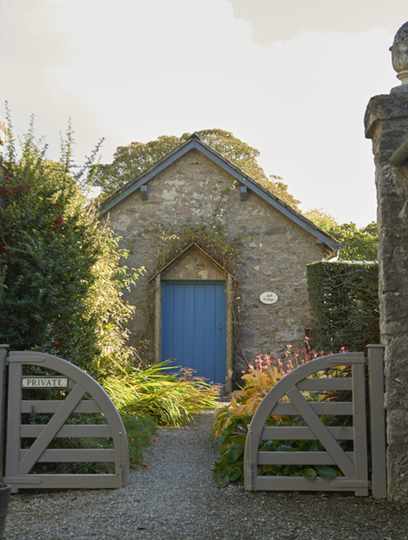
[53, 426]
[4, 349]
[100, 403]
[360, 426]
[356, 478]
[340, 408]
[341, 433]
[270, 406]
[73, 455]
[65, 481]
[13, 420]
[325, 437]
[329, 384]
[297, 458]
[298, 483]
[377, 420]
[250, 460]
[50, 406]
[69, 431]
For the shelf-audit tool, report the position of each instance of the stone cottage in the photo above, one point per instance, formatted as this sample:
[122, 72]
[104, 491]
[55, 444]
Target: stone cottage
[193, 305]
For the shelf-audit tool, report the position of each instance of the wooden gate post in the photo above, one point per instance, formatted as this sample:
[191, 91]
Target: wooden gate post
[4, 349]
[377, 420]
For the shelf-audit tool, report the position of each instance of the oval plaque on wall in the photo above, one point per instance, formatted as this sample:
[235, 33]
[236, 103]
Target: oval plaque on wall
[268, 297]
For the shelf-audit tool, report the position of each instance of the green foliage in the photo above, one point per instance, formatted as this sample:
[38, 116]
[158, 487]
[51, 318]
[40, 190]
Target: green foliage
[168, 399]
[231, 422]
[324, 221]
[140, 431]
[344, 303]
[230, 433]
[212, 239]
[358, 244]
[132, 160]
[62, 277]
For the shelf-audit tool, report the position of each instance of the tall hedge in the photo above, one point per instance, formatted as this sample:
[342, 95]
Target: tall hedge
[344, 302]
[61, 272]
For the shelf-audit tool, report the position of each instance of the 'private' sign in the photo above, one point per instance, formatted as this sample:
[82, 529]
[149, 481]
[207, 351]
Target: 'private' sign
[45, 382]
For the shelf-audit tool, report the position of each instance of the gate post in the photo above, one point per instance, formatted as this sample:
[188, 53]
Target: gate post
[4, 349]
[377, 420]
[386, 124]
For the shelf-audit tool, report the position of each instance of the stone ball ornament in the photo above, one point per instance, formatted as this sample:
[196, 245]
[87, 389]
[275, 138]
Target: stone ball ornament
[399, 51]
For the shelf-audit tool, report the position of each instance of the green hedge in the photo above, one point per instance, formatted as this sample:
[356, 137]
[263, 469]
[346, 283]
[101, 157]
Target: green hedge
[344, 302]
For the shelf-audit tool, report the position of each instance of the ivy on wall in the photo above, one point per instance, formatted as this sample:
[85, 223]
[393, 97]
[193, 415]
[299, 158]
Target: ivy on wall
[211, 239]
[344, 303]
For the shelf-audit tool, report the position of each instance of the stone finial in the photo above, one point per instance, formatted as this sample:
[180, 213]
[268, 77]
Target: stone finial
[399, 52]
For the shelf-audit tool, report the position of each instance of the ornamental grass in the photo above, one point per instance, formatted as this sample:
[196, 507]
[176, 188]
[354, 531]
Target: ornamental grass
[158, 392]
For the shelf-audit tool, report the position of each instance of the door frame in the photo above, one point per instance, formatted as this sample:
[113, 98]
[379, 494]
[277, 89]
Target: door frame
[229, 324]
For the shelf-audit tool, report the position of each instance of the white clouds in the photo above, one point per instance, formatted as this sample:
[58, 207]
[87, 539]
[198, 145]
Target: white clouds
[135, 69]
[275, 20]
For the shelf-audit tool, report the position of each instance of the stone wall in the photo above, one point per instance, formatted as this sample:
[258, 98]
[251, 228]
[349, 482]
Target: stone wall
[273, 252]
[386, 123]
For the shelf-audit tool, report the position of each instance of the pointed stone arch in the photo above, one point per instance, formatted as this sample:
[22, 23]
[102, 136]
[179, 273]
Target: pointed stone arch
[193, 263]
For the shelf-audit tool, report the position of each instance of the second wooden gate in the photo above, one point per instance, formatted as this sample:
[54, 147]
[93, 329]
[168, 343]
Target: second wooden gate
[299, 395]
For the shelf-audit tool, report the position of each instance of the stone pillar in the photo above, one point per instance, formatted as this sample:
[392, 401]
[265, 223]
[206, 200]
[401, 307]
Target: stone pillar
[386, 123]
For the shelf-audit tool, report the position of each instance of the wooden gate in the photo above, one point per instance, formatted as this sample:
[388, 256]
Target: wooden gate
[56, 414]
[301, 400]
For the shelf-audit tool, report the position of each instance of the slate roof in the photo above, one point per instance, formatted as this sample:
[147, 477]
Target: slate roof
[195, 143]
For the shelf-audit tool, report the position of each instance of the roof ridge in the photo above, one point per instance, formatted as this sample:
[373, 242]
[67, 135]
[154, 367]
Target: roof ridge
[195, 142]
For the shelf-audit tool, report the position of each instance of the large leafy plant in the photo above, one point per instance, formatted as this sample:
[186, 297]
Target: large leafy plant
[61, 271]
[231, 422]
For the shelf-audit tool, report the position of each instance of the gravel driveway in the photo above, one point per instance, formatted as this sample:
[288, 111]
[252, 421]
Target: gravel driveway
[175, 498]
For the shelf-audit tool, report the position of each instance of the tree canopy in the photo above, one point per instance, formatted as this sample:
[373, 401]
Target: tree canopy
[358, 243]
[132, 160]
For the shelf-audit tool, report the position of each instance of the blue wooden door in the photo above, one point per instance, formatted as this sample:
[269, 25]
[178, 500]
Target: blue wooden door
[193, 327]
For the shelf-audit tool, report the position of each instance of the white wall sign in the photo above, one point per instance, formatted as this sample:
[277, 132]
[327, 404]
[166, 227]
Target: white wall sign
[45, 382]
[268, 297]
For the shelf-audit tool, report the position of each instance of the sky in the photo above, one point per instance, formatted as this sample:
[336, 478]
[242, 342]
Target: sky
[290, 77]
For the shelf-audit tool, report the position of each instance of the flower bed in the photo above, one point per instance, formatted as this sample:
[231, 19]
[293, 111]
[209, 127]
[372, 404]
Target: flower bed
[230, 427]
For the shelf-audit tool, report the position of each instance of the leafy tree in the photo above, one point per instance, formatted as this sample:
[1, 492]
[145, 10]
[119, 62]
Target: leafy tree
[324, 221]
[61, 274]
[132, 160]
[358, 244]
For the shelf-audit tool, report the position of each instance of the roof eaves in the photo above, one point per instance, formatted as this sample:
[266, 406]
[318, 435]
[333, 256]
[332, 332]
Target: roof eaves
[195, 143]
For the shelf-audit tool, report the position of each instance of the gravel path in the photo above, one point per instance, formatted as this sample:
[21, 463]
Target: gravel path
[175, 498]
